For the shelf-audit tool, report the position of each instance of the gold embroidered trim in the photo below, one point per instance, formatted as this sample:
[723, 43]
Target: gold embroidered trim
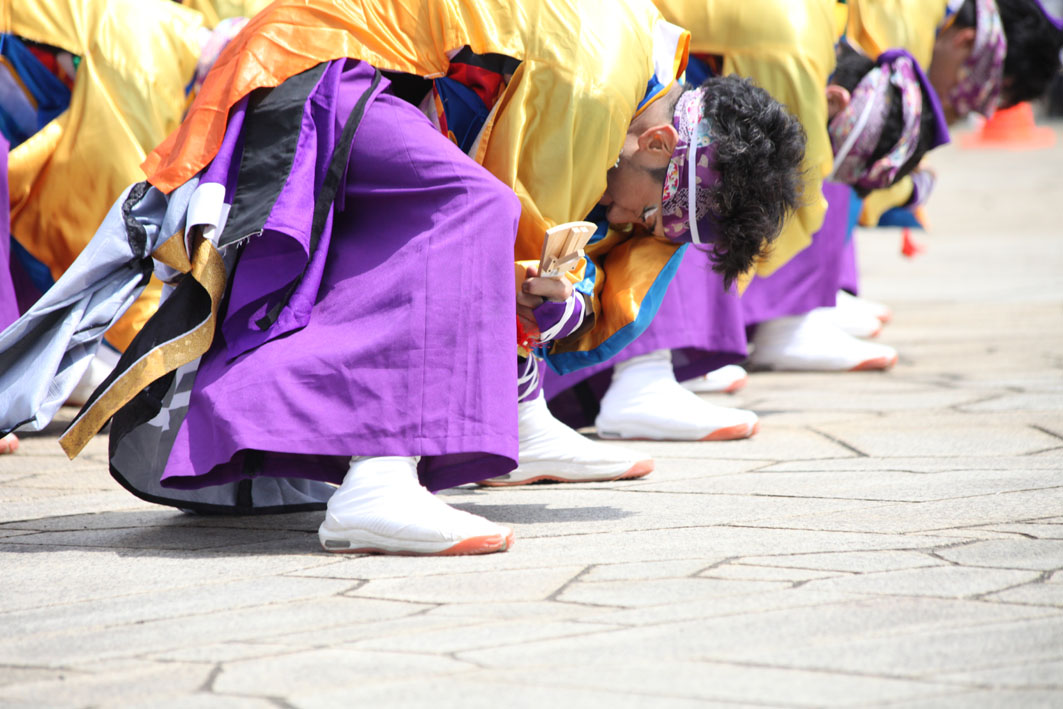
[208, 269]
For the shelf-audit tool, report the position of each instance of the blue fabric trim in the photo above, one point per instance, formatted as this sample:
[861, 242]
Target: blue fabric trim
[949, 12]
[51, 94]
[844, 39]
[900, 216]
[597, 215]
[698, 72]
[39, 274]
[465, 112]
[653, 87]
[567, 362]
[11, 129]
[856, 206]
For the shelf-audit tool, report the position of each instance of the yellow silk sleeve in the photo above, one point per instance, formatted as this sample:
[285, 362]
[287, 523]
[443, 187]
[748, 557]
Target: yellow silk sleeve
[787, 48]
[136, 58]
[553, 149]
[554, 137]
[214, 11]
[799, 83]
[881, 201]
[878, 25]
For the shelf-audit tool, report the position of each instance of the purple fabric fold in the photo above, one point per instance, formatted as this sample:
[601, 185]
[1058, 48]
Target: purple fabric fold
[550, 315]
[700, 322]
[849, 277]
[9, 310]
[408, 345]
[810, 279]
[275, 261]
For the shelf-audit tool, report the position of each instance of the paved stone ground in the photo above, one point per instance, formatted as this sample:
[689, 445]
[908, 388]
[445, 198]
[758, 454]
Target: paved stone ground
[888, 539]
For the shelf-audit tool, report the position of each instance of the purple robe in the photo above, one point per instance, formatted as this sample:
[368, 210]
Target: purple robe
[9, 310]
[400, 338]
[698, 320]
[849, 279]
[810, 279]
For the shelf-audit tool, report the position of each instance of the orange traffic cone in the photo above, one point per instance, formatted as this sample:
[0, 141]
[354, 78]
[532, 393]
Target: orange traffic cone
[1013, 128]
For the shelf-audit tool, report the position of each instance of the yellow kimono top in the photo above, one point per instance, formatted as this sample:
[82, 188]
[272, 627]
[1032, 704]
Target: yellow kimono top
[137, 56]
[214, 11]
[787, 48]
[553, 133]
[875, 26]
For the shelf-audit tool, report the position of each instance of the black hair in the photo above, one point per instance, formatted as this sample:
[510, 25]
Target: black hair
[851, 68]
[759, 148]
[1034, 44]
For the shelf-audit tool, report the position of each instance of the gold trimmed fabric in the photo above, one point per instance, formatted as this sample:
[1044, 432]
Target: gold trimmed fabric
[208, 270]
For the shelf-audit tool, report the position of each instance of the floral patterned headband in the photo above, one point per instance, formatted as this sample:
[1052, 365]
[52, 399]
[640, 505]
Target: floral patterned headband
[982, 75]
[686, 210]
[856, 130]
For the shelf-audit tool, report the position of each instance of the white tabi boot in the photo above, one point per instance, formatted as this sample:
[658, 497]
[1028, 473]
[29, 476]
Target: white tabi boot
[382, 508]
[551, 451]
[879, 311]
[856, 316]
[725, 380]
[812, 343]
[645, 401]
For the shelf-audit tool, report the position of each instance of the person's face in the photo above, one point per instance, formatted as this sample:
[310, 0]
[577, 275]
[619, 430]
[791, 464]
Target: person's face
[633, 188]
[951, 49]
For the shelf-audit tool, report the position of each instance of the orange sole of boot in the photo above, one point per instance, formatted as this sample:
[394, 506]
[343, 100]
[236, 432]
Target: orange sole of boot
[875, 363]
[736, 385]
[733, 433]
[638, 470]
[474, 545]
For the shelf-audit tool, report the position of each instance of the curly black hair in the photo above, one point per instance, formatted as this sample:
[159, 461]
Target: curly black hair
[759, 150]
[1033, 48]
[851, 68]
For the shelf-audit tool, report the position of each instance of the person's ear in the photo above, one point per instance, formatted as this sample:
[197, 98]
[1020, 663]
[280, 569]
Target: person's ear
[659, 141]
[838, 97]
[963, 39]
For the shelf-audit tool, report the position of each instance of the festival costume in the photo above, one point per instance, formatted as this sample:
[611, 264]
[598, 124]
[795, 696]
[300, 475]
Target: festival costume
[380, 507]
[553, 452]
[788, 49]
[343, 340]
[878, 25]
[699, 322]
[509, 52]
[215, 11]
[726, 379]
[644, 401]
[128, 94]
[812, 342]
[810, 280]
[821, 338]
[8, 306]
[859, 317]
[702, 332]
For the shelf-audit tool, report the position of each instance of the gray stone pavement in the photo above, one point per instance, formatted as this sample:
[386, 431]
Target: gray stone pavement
[886, 540]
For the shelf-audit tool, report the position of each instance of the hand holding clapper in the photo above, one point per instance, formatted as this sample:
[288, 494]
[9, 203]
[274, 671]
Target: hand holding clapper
[562, 251]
